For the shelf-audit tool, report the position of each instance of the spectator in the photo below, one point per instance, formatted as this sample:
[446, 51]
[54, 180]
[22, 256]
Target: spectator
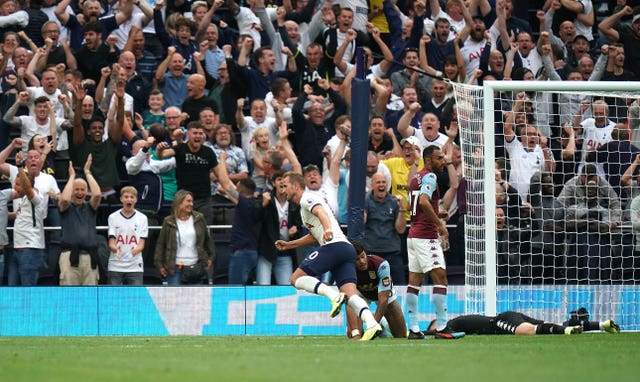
[628, 35]
[5, 196]
[244, 233]
[381, 138]
[260, 79]
[28, 232]
[196, 100]
[214, 56]
[236, 161]
[615, 157]
[392, 117]
[194, 163]
[155, 114]
[418, 81]
[312, 134]
[128, 229]
[172, 79]
[428, 133]
[184, 242]
[259, 147]
[12, 19]
[401, 166]
[528, 154]
[44, 121]
[592, 213]
[79, 257]
[257, 119]
[280, 221]
[146, 61]
[169, 184]
[90, 142]
[595, 131]
[281, 93]
[181, 42]
[95, 54]
[55, 51]
[384, 222]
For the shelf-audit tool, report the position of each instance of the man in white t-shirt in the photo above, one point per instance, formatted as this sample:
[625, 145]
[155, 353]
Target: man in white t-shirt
[128, 230]
[595, 132]
[28, 233]
[37, 123]
[428, 133]
[528, 154]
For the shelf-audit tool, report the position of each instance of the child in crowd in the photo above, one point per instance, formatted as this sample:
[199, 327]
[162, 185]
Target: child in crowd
[128, 230]
[155, 114]
[258, 118]
[260, 144]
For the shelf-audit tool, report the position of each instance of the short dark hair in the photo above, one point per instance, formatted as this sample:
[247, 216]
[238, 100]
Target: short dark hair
[41, 99]
[93, 26]
[428, 151]
[194, 125]
[248, 184]
[358, 246]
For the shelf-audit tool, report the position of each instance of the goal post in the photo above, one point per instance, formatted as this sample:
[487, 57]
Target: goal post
[488, 292]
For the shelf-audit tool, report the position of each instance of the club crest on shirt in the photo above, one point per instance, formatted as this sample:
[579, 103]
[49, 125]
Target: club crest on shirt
[373, 275]
[386, 282]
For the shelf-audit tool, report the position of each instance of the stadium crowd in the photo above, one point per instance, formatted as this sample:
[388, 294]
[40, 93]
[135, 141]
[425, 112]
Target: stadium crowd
[214, 101]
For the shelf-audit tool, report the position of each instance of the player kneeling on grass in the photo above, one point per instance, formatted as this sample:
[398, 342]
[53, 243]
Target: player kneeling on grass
[335, 254]
[375, 284]
[518, 324]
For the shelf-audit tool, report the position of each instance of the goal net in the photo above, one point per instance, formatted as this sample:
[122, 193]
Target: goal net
[549, 225]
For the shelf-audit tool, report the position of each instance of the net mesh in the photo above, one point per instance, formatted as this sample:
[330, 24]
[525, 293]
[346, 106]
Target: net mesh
[562, 240]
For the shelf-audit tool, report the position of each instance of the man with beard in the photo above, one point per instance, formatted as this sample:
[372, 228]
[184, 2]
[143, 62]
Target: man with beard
[376, 284]
[91, 13]
[195, 164]
[89, 142]
[628, 35]
[423, 244]
[95, 54]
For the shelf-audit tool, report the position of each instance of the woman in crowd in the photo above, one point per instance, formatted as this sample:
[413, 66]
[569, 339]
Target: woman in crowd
[184, 249]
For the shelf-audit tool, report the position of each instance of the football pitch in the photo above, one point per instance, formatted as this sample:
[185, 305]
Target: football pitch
[586, 357]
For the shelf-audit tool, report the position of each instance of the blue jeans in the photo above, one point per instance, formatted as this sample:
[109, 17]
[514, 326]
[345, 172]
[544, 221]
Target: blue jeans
[241, 263]
[24, 266]
[282, 270]
[176, 279]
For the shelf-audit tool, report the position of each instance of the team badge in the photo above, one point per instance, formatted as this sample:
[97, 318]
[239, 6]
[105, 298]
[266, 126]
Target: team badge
[373, 275]
[386, 282]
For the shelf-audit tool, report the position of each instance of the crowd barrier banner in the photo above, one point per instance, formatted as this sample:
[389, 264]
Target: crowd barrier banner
[256, 310]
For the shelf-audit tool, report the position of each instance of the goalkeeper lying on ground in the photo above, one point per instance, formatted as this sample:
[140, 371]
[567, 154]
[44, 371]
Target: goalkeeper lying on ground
[519, 324]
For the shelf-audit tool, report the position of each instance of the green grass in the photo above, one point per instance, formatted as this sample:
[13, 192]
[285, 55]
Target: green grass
[587, 357]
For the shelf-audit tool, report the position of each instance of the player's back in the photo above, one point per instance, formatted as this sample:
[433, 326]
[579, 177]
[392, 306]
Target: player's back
[423, 182]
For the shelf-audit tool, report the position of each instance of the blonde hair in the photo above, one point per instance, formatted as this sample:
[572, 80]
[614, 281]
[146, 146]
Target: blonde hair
[178, 198]
[254, 144]
[129, 189]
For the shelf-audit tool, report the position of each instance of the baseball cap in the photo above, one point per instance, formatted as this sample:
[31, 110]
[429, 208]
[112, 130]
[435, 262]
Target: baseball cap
[635, 18]
[581, 36]
[412, 139]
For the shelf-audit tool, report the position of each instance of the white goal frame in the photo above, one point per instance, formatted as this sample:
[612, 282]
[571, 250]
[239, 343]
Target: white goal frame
[490, 87]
